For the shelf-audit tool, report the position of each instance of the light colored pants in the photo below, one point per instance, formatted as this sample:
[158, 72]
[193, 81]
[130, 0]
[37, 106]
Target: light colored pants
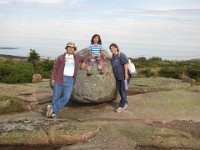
[99, 62]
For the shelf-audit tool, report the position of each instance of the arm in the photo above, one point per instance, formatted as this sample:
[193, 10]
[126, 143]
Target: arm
[84, 60]
[55, 66]
[89, 51]
[102, 53]
[126, 71]
[124, 61]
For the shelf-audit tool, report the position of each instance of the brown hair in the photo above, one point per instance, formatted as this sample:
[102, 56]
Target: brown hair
[94, 36]
[114, 45]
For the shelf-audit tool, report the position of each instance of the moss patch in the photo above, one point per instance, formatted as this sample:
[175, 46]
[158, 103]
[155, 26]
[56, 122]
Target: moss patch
[36, 137]
[16, 105]
[178, 104]
[147, 85]
[146, 136]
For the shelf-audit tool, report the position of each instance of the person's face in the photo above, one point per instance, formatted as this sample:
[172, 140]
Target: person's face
[96, 40]
[113, 50]
[70, 50]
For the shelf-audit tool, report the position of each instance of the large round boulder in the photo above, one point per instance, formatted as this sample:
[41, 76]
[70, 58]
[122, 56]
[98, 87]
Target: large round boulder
[97, 88]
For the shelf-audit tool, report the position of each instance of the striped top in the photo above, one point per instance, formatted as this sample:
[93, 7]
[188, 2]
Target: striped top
[95, 49]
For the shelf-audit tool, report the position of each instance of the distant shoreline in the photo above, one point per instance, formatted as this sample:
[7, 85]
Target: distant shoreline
[25, 57]
[8, 48]
[12, 56]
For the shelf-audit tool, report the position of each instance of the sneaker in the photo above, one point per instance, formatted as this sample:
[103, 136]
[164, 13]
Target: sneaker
[125, 106]
[49, 111]
[101, 72]
[100, 67]
[119, 109]
[52, 115]
[89, 72]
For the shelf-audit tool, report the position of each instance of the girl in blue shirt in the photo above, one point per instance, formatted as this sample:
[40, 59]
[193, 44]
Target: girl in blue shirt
[95, 54]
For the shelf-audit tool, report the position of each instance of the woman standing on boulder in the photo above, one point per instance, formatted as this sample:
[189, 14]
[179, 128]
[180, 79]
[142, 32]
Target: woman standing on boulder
[119, 63]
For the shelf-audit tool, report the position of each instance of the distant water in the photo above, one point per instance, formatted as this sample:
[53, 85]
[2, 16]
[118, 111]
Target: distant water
[4, 48]
[18, 147]
[53, 48]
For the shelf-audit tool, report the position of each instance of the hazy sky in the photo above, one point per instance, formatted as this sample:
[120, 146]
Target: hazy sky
[166, 28]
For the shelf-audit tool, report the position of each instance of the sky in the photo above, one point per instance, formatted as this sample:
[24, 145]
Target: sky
[169, 29]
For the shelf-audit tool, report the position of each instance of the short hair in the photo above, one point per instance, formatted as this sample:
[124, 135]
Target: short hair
[114, 45]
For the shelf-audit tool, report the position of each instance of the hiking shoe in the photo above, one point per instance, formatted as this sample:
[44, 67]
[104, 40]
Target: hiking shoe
[101, 71]
[49, 111]
[119, 109]
[89, 72]
[100, 67]
[52, 115]
[125, 106]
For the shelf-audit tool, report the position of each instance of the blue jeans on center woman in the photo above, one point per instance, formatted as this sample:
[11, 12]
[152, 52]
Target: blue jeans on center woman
[62, 93]
[122, 91]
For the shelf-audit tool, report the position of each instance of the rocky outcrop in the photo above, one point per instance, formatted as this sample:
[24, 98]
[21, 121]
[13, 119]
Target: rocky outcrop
[36, 97]
[36, 78]
[187, 79]
[44, 132]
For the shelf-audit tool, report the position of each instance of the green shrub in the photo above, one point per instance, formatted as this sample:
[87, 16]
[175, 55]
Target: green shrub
[155, 59]
[33, 57]
[44, 68]
[171, 72]
[16, 105]
[194, 73]
[16, 72]
[147, 73]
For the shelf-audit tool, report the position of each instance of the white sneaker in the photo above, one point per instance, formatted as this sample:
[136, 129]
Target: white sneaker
[125, 106]
[49, 111]
[52, 116]
[119, 109]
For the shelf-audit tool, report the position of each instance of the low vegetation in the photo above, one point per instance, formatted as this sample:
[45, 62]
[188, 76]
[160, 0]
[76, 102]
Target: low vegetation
[21, 70]
[156, 67]
[16, 105]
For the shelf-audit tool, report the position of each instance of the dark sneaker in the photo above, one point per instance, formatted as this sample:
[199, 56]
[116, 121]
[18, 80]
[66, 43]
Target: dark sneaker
[102, 71]
[89, 72]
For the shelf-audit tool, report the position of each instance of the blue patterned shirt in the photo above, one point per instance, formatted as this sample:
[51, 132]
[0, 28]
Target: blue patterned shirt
[95, 49]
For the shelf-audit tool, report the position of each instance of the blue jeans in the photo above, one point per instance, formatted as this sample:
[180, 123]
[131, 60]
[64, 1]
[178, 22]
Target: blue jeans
[122, 92]
[62, 93]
